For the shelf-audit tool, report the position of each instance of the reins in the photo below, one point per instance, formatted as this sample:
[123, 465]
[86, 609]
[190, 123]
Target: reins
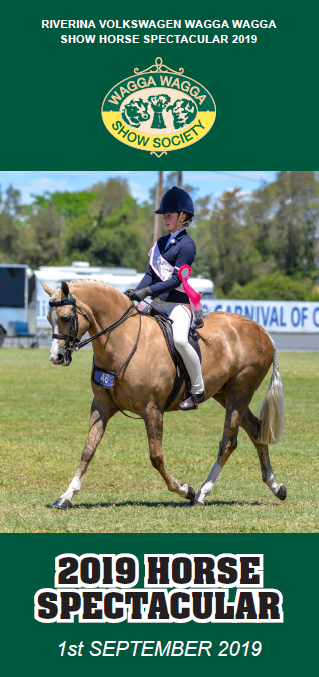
[104, 331]
[76, 344]
[123, 367]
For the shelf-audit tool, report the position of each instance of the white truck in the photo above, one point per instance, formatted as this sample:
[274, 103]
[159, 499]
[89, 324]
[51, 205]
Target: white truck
[17, 301]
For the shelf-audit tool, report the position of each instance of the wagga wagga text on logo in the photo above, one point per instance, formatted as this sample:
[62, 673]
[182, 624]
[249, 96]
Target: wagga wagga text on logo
[158, 110]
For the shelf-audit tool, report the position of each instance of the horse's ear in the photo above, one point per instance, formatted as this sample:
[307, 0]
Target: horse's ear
[47, 289]
[65, 289]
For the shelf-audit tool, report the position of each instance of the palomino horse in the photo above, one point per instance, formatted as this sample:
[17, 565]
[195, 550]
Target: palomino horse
[236, 356]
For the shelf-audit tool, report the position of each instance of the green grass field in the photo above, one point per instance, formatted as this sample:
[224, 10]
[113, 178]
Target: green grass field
[44, 423]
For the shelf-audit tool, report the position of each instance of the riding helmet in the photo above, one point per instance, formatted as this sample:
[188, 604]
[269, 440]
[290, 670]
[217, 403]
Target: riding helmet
[176, 200]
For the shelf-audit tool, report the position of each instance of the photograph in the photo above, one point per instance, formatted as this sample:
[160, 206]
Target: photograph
[186, 308]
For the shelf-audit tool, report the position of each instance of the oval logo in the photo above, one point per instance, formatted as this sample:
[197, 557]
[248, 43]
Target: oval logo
[158, 110]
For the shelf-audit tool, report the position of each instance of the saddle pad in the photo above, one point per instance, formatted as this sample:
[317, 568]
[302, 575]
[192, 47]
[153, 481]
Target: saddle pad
[181, 371]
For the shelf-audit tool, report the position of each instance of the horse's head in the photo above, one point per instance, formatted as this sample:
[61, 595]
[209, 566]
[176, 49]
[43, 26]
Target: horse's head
[61, 317]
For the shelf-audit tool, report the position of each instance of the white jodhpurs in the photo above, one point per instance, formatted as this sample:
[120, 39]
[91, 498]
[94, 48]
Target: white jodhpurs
[182, 316]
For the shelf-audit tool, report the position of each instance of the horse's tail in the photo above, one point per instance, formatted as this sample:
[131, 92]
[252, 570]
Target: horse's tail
[271, 411]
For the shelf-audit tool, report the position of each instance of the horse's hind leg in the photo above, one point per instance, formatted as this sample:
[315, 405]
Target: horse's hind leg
[227, 445]
[251, 425]
[101, 412]
[153, 419]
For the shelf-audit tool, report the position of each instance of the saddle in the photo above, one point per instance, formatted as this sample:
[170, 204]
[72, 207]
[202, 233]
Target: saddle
[181, 372]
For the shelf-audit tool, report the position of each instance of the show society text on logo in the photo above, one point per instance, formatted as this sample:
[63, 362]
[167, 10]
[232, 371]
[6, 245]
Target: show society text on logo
[158, 110]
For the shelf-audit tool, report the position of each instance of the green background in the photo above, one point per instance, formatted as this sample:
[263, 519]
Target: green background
[27, 565]
[265, 94]
[266, 99]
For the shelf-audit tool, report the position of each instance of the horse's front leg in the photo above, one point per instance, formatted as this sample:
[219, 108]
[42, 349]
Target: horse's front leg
[101, 412]
[153, 419]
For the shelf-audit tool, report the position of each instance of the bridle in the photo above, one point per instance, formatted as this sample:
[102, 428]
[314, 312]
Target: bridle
[72, 343]
[71, 338]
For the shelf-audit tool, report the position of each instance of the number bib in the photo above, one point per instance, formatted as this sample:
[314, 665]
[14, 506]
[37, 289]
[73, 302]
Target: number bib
[103, 378]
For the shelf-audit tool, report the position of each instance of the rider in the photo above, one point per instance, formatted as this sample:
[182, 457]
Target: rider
[161, 282]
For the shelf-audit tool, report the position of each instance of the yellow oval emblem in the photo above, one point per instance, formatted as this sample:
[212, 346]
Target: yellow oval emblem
[158, 110]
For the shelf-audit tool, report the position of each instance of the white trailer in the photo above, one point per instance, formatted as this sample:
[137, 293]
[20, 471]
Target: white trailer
[120, 278]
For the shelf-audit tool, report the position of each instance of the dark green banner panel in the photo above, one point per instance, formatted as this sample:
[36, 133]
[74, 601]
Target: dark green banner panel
[256, 62]
[248, 647]
[97, 86]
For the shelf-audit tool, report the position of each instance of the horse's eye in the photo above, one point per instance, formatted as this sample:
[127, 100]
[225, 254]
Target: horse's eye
[65, 318]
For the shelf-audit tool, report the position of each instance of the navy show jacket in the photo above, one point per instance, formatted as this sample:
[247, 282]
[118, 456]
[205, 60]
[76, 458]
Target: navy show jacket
[180, 251]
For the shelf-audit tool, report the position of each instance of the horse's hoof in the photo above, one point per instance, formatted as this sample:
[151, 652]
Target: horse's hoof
[187, 491]
[62, 504]
[190, 493]
[195, 504]
[282, 492]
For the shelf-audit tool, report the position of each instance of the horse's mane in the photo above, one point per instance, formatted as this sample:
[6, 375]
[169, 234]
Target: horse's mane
[98, 284]
[91, 280]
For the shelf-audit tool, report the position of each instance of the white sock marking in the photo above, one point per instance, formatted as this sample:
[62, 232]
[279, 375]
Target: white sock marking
[272, 484]
[207, 487]
[73, 489]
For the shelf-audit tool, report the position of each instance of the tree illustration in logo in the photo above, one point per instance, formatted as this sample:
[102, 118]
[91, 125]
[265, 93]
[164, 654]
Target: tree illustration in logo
[135, 112]
[184, 112]
[159, 102]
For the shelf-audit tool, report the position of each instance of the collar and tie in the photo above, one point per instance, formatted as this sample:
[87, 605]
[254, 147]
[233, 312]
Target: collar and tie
[172, 238]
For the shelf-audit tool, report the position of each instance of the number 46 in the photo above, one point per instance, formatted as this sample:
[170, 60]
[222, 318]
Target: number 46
[235, 647]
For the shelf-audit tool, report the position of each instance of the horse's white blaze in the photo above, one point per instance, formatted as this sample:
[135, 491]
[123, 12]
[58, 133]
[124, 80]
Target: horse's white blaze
[54, 350]
[73, 488]
[208, 485]
[55, 343]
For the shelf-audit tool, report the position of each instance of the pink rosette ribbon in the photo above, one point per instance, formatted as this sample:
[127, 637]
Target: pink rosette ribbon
[184, 274]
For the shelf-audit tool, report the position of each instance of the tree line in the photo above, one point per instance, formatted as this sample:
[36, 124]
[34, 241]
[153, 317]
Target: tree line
[264, 244]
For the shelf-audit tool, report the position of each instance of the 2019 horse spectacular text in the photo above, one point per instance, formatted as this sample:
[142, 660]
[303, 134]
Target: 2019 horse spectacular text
[177, 589]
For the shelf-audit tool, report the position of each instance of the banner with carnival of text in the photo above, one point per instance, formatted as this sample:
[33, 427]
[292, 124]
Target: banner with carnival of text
[275, 316]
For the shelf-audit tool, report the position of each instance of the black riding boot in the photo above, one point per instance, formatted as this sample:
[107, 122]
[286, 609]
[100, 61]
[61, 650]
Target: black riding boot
[192, 401]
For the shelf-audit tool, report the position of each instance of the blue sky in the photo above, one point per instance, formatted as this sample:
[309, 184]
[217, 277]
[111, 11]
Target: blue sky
[207, 182]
